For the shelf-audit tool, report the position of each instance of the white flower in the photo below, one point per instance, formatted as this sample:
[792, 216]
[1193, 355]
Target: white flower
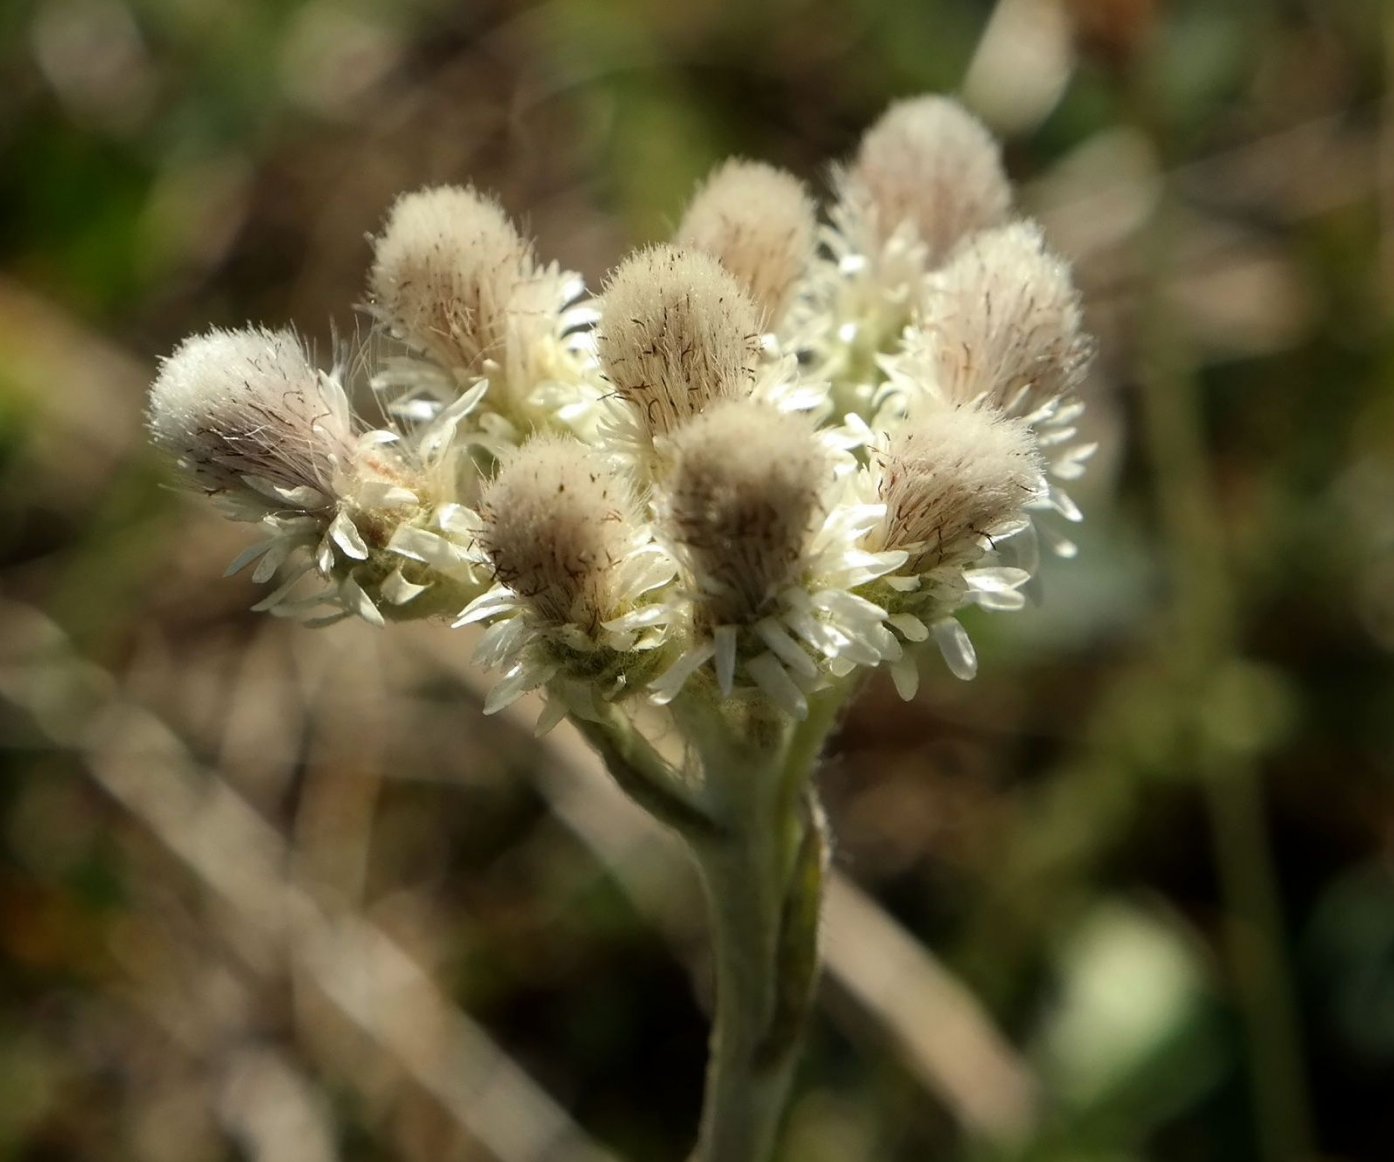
[454, 280]
[955, 482]
[574, 565]
[926, 175]
[759, 222]
[769, 555]
[1002, 326]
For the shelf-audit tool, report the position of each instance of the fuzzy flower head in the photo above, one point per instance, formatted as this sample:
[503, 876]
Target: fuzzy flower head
[1003, 318]
[555, 524]
[575, 565]
[954, 482]
[677, 333]
[753, 508]
[1002, 327]
[246, 412]
[925, 176]
[454, 280]
[444, 269]
[759, 222]
[951, 482]
[931, 164]
[747, 492]
[252, 421]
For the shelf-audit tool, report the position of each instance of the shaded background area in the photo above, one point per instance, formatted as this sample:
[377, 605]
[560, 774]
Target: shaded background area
[275, 894]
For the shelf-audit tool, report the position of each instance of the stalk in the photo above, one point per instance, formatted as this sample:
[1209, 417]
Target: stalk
[746, 1089]
[763, 878]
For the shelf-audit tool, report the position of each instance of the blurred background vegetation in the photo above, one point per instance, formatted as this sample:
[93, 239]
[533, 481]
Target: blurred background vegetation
[283, 895]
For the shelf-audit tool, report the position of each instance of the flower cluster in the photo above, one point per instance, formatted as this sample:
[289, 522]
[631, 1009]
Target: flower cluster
[763, 458]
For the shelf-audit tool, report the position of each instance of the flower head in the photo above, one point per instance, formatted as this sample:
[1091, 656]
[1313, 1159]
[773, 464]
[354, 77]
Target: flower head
[444, 269]
[246, 413]
[1002, 327]
[574, 562]
[955, 481]
[455, 281]
[755, 511]
[925, 176]
[930, 164]
[252, 421]
[555, 523]
[1003, 319]
[677, 332]
[759, 222]
[748, 490]
[952, 481]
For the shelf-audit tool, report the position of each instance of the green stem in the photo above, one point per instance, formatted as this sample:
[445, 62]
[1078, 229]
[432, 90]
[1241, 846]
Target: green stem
[764, 915]
[757, 834]
[764, 885]
[746, 1089]
[643, 775]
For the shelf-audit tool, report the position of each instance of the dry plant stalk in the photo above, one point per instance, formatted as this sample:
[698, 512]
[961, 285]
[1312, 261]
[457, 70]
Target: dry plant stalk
[764, 461]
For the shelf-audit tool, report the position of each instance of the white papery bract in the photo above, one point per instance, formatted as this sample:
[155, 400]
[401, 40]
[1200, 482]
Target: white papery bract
[763, 459]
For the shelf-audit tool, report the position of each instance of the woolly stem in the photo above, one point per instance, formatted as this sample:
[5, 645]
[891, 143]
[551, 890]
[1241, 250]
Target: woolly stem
[764, 882]
[764, 917]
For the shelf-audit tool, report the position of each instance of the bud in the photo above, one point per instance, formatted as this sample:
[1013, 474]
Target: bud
[556, 523]
[444, 269]
[951, 480]
[246, 410]
[746, 496]
[1003, 318]
[677, 332]
[931, 163]
[758, 221]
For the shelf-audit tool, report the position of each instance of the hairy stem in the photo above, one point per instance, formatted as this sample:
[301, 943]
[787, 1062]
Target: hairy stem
[764, 884]
[764, 916]
[642, 774]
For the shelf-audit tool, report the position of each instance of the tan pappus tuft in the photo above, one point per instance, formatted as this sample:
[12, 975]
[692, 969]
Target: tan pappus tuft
[949, 480]
[746, 494]
[930, 162]
[557, 521]
[233, 404]
[1002, 316]
[759, 222]
[677, 332]
[444, 269]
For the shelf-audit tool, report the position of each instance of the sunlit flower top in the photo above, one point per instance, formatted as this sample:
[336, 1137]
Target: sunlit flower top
[766, 458]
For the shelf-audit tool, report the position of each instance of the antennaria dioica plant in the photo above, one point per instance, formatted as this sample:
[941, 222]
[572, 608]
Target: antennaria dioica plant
[694, 512]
